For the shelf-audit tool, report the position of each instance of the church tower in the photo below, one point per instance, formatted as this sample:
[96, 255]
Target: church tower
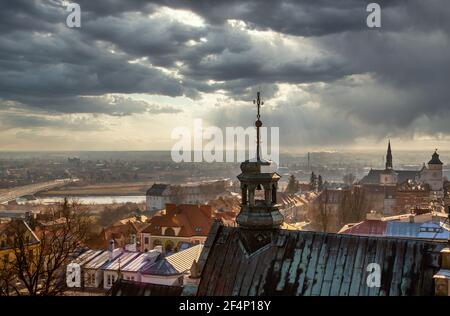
[434, 175]
[259, 182]
[389, 165]
[388, 176]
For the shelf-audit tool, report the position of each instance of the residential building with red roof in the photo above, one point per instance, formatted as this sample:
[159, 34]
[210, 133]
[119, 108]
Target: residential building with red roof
[178, 227]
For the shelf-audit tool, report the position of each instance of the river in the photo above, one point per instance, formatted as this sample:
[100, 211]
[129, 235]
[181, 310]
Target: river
[86, 199]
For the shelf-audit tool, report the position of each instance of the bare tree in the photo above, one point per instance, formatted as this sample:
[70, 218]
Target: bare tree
[176, 192]
[39, 268]
[324, 210]
[349, 179]
[354, 205]
[6, 278]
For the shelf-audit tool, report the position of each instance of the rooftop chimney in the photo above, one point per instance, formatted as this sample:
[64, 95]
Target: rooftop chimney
[374, 216]
[111, 249]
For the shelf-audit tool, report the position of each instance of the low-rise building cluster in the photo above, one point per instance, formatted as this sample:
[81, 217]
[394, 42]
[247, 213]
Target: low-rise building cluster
[101, 269]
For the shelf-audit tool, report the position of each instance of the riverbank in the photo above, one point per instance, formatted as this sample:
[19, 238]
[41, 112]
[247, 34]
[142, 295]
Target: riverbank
[104, 189]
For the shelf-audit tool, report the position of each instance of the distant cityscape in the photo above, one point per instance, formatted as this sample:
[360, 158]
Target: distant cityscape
[149, 219]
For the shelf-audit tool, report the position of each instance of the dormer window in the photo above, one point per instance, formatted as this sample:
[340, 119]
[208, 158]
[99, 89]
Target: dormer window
[169, 231]
[198, 229]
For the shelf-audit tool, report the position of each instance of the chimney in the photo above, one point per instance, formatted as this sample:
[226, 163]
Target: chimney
[111, 249]
[374, 216]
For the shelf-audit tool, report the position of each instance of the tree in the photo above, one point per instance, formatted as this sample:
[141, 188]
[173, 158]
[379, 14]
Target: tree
[319, 183]
[354, 205]
[292, 186]
[40, 269]
[6, 278]
[313, 182]
[177, 194]
[324, 210]
[115, 213]
[349, 179]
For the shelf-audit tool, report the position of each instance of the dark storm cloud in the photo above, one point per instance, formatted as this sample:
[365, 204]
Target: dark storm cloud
[25, 15]
[319, 17]
[31, 122]
[393, 80]
[114, 105]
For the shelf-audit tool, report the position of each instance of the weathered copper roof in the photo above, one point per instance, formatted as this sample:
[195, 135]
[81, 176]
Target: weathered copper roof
[318, 264]
[435, 159]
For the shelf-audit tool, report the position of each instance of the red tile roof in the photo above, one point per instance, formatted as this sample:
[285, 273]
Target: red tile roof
[193, 219]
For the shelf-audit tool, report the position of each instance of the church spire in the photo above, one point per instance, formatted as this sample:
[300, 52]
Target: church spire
[389, 157]
[259, 184]
[258, 124]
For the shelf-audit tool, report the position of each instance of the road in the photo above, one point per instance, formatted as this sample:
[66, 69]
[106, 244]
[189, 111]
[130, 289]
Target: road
[30, 189]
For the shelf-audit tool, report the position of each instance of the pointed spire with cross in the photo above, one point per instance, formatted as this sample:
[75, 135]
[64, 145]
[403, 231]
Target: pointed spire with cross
[258, 124]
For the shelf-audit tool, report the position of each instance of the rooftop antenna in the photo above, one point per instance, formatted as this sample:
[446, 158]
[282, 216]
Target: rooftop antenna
[258, 124]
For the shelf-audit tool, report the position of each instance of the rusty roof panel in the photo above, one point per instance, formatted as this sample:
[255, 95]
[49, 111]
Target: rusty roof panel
[313, 264]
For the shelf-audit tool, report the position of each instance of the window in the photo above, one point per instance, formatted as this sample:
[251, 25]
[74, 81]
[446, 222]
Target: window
[146, 240]
[169, 231]
[111, 280]
[198, 229]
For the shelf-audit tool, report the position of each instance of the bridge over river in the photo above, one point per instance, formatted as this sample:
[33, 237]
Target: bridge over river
[30, 189]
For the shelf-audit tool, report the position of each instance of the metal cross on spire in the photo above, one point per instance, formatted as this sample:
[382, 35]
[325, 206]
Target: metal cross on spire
[258, 124]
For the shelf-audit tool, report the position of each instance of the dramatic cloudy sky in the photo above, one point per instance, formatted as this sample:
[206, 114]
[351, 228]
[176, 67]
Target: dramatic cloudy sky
[137, 69]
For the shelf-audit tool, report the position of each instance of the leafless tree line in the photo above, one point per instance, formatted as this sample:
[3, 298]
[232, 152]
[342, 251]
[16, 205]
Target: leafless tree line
[37, 267]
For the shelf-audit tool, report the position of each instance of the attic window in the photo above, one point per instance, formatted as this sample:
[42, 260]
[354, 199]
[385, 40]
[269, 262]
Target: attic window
[198, 229]
[169, 231]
